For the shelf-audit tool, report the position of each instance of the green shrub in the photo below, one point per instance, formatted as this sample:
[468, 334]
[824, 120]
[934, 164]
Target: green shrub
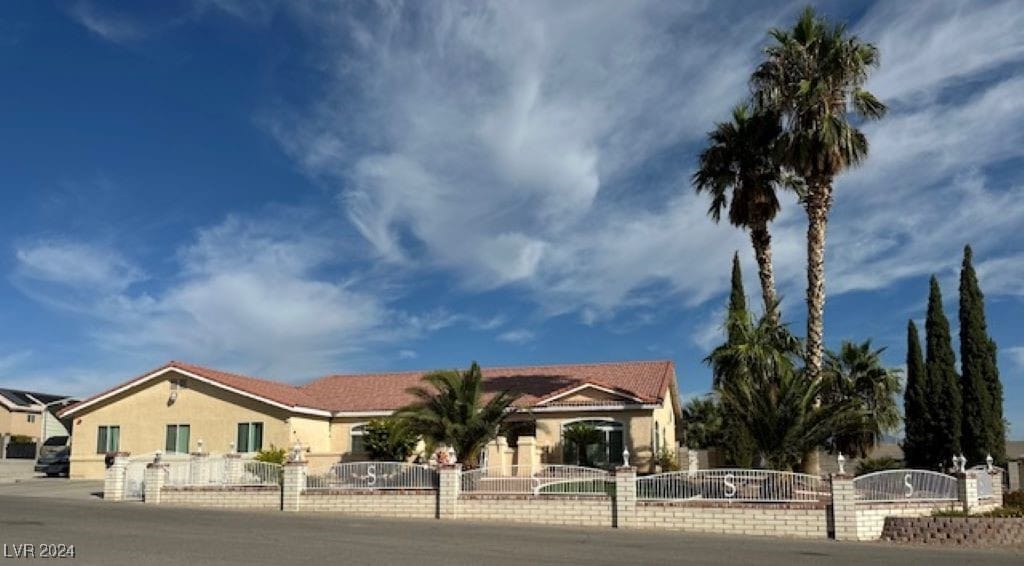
[870, 465]
[21, 439]
[1000, 512]
[667, 461]
[390, 440]
[272, 455]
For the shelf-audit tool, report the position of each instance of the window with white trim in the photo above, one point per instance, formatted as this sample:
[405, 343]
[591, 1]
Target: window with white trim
[250, 437]
[108, 439]
[177, 438]
[604, 453]
[31, 418]
[358, 434]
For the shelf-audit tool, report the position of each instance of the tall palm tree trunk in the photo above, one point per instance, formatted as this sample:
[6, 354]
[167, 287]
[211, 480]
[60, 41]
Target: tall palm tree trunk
[818, 203]
[819, 200]
[761, 240]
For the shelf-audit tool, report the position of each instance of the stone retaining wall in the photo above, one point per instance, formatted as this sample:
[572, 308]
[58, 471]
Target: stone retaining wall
[985, 531]
[871, 516]
[261, 497]
[576, 510]
[418, 504]
[767, 519]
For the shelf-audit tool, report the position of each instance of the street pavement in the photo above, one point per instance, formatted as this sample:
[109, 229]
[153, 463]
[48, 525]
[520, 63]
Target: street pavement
[111, 533]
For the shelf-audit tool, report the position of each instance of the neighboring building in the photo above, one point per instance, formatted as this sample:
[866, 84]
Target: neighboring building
[635, 404]
[31, 415]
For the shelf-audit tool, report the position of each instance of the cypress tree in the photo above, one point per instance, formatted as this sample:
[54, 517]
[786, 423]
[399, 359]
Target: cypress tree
[943, 381]
[983, 430]
[917, 446]
[737, 300]
[738, 448]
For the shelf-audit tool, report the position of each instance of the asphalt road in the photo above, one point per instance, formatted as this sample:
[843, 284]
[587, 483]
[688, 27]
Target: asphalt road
[132, 533]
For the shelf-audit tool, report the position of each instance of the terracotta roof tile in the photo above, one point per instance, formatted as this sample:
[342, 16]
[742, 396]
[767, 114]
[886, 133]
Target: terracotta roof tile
[646, 380]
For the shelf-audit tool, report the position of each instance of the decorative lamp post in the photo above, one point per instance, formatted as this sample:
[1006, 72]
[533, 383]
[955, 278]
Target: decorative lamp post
[625, 457]
[988, 463]
[842, 464]
[199, 446]
[158, 456]
[231, 447]
[963, 464]
[297, 452]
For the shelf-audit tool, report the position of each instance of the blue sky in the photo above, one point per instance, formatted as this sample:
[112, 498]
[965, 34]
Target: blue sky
[289, 189]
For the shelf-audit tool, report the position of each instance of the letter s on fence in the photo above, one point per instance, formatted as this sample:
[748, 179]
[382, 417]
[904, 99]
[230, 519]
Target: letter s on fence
[910, 486]
[730, 488]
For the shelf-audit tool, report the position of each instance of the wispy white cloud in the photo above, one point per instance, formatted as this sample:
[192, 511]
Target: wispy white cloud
[111, 26]
[1016, 354]
[250, 293]
[13, 360]
[517, 336]
[76, 264]
[407, 354]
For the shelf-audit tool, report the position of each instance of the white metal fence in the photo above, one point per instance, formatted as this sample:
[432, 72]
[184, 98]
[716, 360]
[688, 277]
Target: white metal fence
[733, 485]
[905, 485]
[536, 480]
[214, 470]
[374, 475]
[984, 479]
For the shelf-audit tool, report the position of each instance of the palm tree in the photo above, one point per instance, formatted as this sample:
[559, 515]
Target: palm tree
[813, 77]
[451, 410]
[856, 374]
[581, 435]
[702, 419]
[755, 351]
[781, 415]
[739, 170]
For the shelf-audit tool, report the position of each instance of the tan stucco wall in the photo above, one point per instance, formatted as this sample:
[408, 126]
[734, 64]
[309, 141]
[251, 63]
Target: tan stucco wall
[144, 412]
[16, 422]
[341, 435]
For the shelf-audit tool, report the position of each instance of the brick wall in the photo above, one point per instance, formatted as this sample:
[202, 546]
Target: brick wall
[800, 521]
[871, 516]
[249, 497]
[954, 530]
[589, 510]
[419, 504]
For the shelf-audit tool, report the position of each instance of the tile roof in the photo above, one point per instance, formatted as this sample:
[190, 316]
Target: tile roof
[645, 380]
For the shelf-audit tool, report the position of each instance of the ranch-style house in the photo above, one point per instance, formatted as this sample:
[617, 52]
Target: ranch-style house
[183, 408]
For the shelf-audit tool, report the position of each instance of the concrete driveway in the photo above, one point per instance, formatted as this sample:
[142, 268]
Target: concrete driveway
[53, 488]
[16, 470]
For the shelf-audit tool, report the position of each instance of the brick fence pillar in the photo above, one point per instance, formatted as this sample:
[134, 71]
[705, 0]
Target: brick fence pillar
[967, 491]
[155, 474]
[293, 485]
[114, 478]
[1014, 469]
[448, 485]
[996, 477]
[844, 508]
[624, 511]
[198, 469]
[235, 469]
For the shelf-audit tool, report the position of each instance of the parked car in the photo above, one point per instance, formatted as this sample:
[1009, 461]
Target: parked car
[55, 456]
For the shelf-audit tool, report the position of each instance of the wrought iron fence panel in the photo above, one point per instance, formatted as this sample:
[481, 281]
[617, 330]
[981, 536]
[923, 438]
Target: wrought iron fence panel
[549, 479]
[254, 473]
[733, 485]
[374, 476]
[905, 485]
